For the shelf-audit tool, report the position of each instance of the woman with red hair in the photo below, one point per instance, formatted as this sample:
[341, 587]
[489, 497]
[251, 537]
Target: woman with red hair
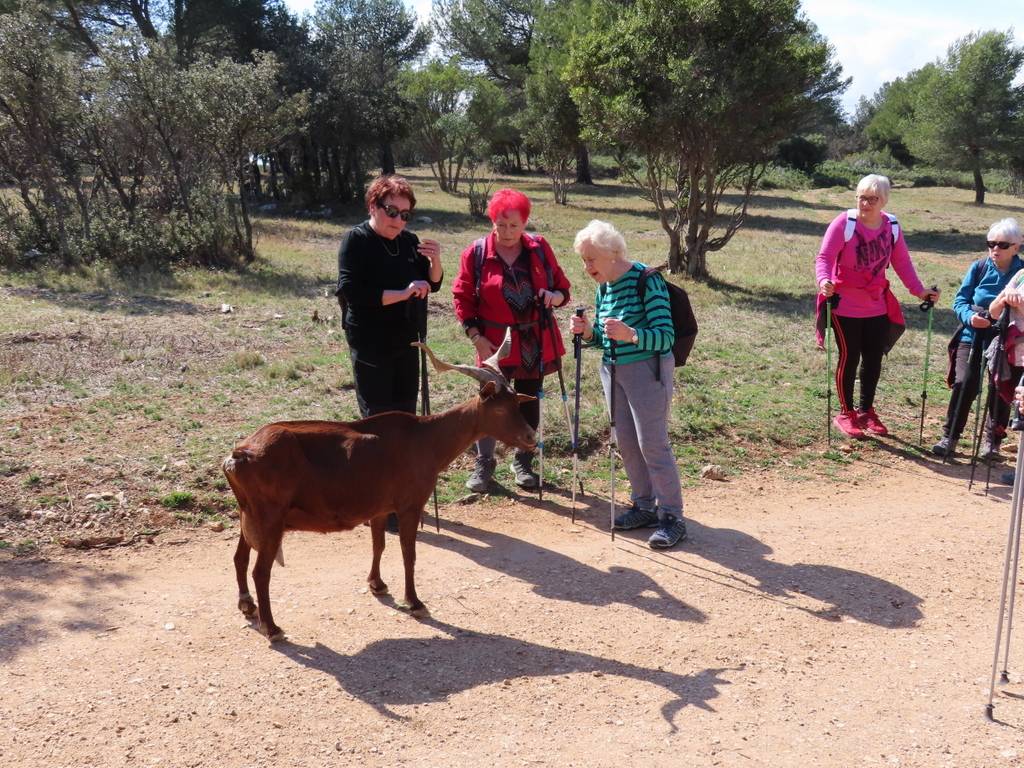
[510, 279]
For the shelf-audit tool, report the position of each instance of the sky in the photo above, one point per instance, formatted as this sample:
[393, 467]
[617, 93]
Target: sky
[875, 41]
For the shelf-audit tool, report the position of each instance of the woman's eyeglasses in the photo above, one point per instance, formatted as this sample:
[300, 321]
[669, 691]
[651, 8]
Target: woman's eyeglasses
[394, 213]
[869, 199]
[1002, 245]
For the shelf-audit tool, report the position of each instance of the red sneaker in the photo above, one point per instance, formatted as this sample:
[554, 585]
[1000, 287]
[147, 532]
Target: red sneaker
[848, 423]
[869, 420]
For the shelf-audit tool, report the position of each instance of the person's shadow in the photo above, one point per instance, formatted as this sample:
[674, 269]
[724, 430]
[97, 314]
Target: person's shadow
[844, 592]
[558, 577]
[410, 671]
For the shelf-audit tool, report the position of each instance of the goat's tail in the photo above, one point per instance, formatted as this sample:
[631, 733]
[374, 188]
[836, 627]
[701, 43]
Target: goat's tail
[238, 456]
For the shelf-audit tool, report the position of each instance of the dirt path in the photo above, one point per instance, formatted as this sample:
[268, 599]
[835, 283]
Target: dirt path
[798, 626]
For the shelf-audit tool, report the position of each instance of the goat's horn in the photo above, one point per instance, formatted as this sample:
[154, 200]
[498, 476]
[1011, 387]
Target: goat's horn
[483, 375]
[499, 354]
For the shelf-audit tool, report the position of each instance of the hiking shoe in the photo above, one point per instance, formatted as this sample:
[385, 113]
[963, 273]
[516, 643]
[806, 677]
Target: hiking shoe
[391, 526]
[635, 517]
[522, 471]
[480, 480]
[989, 450]
[943, 446]
[848, 423]
[671, 530]
[869, 420]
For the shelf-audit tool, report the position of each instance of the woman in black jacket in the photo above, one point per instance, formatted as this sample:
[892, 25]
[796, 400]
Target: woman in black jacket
[384, 275]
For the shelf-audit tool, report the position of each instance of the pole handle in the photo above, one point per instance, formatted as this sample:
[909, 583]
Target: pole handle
[928, 303]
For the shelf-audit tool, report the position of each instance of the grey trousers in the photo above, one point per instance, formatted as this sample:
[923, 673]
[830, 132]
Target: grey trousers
[642, 408]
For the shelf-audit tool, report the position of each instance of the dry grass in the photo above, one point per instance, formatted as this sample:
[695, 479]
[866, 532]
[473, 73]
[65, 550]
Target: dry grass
[142, 385]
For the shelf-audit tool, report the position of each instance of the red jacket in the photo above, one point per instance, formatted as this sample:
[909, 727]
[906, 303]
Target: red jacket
[491, 305]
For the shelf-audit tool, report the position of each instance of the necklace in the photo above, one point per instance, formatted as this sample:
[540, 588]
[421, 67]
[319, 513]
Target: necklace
[384, 245]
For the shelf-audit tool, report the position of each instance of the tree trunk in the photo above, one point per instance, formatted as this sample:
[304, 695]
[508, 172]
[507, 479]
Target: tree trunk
[275, 192]
[583, 165]
[387, 159]
[247, 249]
[675, 253]
[979, 184]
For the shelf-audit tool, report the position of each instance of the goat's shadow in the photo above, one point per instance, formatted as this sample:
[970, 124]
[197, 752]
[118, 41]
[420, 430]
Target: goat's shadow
[556, 576]
[410, 671]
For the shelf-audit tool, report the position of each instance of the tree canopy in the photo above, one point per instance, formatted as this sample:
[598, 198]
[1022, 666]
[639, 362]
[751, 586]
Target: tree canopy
[695, 96]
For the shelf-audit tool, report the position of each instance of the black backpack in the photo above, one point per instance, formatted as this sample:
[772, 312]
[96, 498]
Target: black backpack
[683, 321]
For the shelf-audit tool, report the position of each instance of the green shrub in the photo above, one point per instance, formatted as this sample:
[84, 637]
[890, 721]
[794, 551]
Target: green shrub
[178, 500]
[782, 177]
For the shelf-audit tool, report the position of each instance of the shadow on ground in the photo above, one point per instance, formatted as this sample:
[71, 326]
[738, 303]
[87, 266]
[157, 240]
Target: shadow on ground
[408, 671]
[558, 577]
[28, 584]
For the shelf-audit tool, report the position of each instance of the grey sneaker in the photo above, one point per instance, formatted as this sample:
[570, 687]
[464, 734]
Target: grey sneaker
[635, 517]
[989, 450]
[671, 530]
[522, 470]
[942, 447]
[480, 480]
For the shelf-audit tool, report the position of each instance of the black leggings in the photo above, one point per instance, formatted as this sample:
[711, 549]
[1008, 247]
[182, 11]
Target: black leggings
[970, 361]
[386, 382]
[861, 340]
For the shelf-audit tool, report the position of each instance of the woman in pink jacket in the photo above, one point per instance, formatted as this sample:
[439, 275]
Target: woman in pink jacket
[511, 279]
[856, 252]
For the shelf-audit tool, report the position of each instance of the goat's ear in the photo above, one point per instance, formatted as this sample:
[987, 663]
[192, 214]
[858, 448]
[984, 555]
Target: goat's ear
[524, 398]
[488, 389]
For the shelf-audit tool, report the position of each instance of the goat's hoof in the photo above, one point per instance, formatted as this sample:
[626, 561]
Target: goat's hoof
[377, 587]
[417, 609]
[275, 635]
[247, 606]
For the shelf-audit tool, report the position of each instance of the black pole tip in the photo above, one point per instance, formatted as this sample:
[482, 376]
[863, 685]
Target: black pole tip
[990, 711]
[1004, 677]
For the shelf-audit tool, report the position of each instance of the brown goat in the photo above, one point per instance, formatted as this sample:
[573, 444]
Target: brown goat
[331, 476]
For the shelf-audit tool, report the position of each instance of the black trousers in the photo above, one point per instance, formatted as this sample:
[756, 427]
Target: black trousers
[388, 382]
[861, 341]
[970, 366]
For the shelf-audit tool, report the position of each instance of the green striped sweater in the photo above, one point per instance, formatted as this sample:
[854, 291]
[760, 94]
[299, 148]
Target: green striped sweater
[652, 320]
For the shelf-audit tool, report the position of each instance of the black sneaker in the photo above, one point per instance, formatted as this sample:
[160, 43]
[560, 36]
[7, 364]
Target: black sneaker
[671, 530]
[635, 517]
[942, 447]
[480, 480]
[391, 526]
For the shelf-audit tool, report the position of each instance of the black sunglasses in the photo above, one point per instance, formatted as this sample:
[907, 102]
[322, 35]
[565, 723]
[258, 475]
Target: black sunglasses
[394, 213]
[1002, 245]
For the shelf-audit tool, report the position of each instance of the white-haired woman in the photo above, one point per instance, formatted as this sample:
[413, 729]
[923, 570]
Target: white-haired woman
[856, 252]
[991, 284]
[636, 338]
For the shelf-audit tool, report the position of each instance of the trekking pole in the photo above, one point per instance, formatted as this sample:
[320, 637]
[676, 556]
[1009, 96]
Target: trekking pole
[425, 401]
[926, 306]
[1012, 555]
[954, 433]
[613, 438]
[552, 325]
[830, 303]
[979, 433]
[577, 353]
[540, 418]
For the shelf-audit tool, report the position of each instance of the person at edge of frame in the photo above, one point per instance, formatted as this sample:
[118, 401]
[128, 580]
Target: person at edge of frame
[987, 288]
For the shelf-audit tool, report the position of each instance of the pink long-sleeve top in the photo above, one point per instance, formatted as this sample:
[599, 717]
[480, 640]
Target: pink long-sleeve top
[858, 268]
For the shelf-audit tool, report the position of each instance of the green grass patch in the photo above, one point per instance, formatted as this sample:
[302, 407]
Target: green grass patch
[178, 500]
